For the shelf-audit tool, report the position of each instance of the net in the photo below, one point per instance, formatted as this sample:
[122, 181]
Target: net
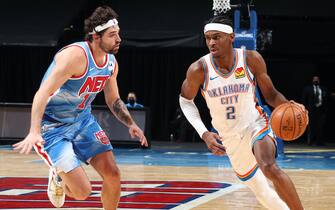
[221, 6]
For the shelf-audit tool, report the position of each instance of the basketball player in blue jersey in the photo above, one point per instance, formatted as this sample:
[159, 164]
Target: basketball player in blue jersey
[63, 131]
[227, 78]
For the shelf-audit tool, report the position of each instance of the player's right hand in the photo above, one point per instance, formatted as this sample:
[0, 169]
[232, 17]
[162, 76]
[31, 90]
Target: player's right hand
[27, 144]
[212, 140]
[303, 108]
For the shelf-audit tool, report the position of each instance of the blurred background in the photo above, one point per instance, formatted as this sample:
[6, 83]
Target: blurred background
[160, 40]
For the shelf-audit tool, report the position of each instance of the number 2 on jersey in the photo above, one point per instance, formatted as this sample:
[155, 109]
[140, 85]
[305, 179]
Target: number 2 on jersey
[230, 112]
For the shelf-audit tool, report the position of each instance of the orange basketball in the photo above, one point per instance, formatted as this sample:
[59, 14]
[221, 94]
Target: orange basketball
[288, 121]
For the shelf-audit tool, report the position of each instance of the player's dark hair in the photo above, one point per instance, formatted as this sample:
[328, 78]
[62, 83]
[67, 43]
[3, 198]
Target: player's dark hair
[101, 15]
[222, 18]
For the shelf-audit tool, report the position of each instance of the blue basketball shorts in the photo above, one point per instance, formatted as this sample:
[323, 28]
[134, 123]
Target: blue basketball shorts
[69, 144]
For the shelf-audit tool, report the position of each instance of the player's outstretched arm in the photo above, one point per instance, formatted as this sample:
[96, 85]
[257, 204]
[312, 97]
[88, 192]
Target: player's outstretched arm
[119, 109]
[257, 66]
[69, 62]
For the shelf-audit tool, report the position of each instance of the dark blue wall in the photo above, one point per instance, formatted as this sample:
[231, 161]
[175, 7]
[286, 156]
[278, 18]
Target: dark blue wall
[160, 40]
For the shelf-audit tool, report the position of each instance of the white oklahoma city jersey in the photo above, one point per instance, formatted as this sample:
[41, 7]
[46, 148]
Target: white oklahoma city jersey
[231, 97]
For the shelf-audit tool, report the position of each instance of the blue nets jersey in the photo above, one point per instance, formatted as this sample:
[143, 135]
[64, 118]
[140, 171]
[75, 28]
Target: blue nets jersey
[72, 101]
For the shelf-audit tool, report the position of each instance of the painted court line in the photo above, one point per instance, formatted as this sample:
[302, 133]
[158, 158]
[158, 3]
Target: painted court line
[207, 198]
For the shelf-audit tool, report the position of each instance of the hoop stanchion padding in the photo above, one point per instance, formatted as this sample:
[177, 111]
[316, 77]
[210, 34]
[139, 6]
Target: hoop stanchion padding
[245, 37]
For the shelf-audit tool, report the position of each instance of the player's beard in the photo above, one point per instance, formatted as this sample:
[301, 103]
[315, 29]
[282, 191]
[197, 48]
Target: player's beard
[107, 49]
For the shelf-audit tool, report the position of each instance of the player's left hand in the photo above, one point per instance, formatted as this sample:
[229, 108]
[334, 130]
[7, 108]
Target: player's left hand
[135, 131]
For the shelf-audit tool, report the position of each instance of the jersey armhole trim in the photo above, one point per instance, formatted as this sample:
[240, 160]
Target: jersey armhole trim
[247, 69]
[116, 66]
[86, 67]
[206, 74]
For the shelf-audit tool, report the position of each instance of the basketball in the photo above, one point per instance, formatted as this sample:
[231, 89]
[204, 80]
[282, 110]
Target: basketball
[288, 121]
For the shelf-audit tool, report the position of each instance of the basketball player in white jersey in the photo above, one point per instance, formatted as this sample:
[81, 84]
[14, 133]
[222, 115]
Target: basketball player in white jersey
[227, 78]
[63, 131]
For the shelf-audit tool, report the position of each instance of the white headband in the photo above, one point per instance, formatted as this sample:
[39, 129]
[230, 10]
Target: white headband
[110, 23]
[218, 27]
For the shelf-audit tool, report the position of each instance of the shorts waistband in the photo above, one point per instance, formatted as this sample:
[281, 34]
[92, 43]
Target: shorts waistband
[50, 119]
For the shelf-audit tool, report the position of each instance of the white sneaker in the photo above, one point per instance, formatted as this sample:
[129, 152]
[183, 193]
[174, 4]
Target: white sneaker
[56, 192]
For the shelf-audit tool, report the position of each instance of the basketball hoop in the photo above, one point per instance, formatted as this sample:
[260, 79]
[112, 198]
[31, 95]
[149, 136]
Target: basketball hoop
[221, 6]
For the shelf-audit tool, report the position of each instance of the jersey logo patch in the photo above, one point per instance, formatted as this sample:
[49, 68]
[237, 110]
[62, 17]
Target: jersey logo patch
[212, 78]
[102, 137]
[110, 66]
[239, 73]
[93, 84]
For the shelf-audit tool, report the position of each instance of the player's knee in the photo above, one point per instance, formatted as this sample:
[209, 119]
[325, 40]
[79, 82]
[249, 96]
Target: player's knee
[115, 173]
[82, 192]
[112, 174]
[270, 170]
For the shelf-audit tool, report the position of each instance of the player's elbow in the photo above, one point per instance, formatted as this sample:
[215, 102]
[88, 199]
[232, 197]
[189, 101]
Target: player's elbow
[42, 95]
[110, 100]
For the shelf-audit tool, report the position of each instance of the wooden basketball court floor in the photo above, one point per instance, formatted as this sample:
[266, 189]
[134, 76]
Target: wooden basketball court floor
[174, 176]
